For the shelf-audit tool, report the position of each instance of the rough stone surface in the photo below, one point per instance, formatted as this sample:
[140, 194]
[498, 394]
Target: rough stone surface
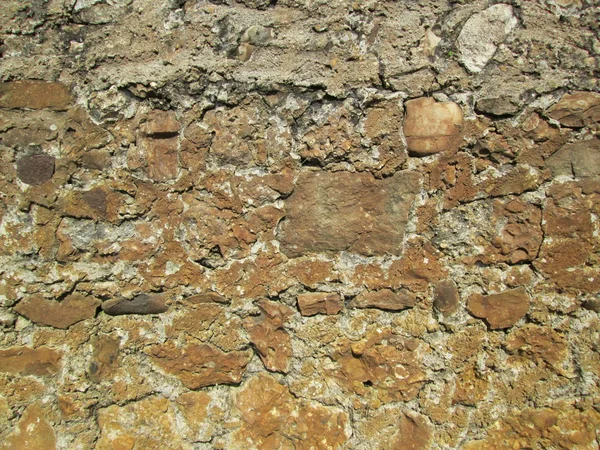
[501, 310]
[331, 212]
[431, 127]
[311, 225]
[446, 297]
[58, 314]
[35, 169]
[314, 303]
[482, 33]
[35, 95]
[384, 299]
[140, 304]
[200, 365]
[577, 109]
[41, 361]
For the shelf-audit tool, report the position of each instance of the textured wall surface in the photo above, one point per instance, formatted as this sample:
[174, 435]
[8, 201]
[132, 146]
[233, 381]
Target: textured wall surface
[299, 224]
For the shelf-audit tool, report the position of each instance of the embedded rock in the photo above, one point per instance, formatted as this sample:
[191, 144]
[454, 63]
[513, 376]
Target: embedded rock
[35, 169]
[41, 361]
[353, 212]
[58, 314]
[201, 365]
[159, 145]
[446, 297]
[577, 110]
[431, 127]
[33, 432]
[104, 358]
[313, 303]
[501, 310]
[269, 337]
[34, 94]
[414, 432]
[150, 423]
[385, 299]
[581, 159]
[482, 33]
[141, 304]
[273, 418]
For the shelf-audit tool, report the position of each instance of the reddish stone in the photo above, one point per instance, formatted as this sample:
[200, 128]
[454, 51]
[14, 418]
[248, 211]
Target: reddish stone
[201, 365]
[385, 299]
[35, 169]
[501, 310]
[354, 212]
[431, 127]
[577, 110]
[269, 337]
[58, 314]
[314, 303]
[141, 304]
[41, 361]
[35, 95]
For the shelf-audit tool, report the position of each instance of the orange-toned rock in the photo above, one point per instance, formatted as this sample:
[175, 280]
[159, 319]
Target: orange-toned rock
[313, 303]
[577, 110]
[41, 361]
[159, 145]
[273, 418]
[201, 365]
[269, 337]
[385, 299]
[198, 414]
[501, 310]
[391, 370]
[414, 432]
[33, 94]
[104, 359]
[58, 314]
[431, 127]
[149, 424]
[535, 342]
[354, 212]
[33, 432]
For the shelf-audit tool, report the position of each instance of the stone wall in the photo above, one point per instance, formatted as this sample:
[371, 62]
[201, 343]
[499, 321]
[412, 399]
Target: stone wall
[299, 224]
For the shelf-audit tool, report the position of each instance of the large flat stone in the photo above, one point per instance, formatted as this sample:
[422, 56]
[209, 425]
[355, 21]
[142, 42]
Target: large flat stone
[33, 94]
[354, 212]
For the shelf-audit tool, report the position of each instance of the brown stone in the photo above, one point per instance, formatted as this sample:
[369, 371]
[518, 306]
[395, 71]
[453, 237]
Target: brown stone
[35, 169]
[536, 342]
[151, 423]
[446, 297]
[96, 199]
[501, 310]
[58, 314]
[314, 303]
[354, 212]
[195, 407]
[269, 337]
[414, 432]
[34, 94]
[33, 432]
[41, 361]
[431, 127]
[385, 299]
[581, 159]
[140, 304]
[577, 110]
[207, 297]
[201, 365]
[160, 123]
[104, 358]
[390, 370]
[273, 418]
